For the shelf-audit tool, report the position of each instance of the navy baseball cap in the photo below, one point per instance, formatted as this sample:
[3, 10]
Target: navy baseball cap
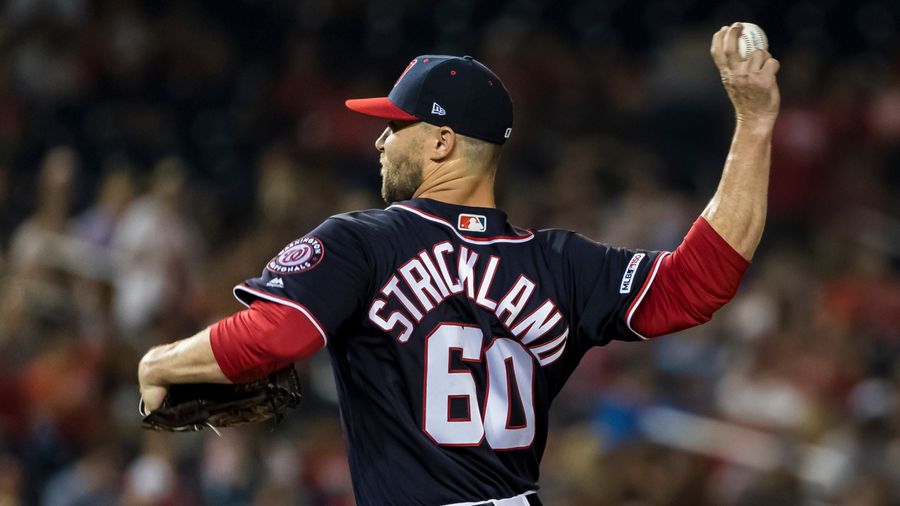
[453, 91]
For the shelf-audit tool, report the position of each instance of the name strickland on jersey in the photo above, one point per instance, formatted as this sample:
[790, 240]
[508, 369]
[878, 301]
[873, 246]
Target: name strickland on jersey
[428, 281]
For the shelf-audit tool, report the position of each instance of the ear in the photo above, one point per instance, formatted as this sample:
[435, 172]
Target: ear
[442, 143]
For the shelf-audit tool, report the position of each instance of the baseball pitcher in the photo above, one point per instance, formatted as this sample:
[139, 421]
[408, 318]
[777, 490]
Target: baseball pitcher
[449, 329]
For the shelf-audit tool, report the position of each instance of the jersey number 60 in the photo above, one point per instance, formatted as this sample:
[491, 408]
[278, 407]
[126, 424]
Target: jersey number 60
[505, 360]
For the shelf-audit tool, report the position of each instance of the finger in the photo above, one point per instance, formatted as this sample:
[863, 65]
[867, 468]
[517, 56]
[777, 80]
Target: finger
[730, 44]
[771, 66]
[757, 58]
[715, 48]
[153, 397]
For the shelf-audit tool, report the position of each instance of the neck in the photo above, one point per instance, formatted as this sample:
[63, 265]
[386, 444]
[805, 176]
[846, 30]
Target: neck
[455, 183]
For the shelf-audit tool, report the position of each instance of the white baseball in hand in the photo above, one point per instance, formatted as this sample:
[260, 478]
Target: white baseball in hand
[752, 38]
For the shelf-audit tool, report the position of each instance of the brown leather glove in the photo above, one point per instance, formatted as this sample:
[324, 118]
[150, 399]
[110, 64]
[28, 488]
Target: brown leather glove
[193, 406]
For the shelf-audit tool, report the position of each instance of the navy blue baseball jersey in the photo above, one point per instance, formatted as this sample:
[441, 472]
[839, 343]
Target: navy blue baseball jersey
[450, 332]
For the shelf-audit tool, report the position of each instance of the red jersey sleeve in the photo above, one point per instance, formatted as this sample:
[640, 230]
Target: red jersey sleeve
[263, 338]
[697, 279]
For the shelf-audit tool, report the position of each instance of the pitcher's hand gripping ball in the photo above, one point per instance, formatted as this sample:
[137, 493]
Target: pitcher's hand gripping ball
[193, 406]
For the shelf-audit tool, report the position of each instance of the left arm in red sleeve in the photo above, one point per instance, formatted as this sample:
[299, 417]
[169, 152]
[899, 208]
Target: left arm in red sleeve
[243, 347]
[697, 279]
[266, 337]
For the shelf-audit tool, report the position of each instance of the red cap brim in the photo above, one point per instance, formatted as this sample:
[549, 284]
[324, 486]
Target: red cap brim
[379, 107]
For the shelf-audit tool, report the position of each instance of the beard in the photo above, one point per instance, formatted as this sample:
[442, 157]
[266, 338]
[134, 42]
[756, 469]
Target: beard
[400, 179]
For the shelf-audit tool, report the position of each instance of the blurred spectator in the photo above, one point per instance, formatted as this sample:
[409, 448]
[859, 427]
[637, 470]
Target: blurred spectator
[226, 472]
[94, 228]
[91, 480]
[281, 474]
[31, 246]
[152, 478]
[159, 253]
[40, 261]
[97, 223]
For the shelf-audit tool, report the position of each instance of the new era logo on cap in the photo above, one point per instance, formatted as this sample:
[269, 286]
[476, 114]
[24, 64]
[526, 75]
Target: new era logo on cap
[457, 92]
[472, 223]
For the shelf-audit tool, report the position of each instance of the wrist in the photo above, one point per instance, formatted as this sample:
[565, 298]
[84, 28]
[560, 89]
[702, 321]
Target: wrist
[757, 123]
[757, 126]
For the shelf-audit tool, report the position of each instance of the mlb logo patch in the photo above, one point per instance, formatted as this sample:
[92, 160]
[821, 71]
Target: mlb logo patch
[472, 223]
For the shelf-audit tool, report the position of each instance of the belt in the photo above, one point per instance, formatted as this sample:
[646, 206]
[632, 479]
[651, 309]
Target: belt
[526, 499]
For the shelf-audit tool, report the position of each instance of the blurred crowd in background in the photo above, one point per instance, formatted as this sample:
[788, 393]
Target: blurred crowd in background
[155, 153]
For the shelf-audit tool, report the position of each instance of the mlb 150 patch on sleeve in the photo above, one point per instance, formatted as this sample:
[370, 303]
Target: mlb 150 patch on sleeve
[298, 256]
[630, 271]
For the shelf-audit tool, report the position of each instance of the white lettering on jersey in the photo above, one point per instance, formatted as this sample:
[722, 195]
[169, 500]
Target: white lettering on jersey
[388, 324]
[443, 384]
[538, 323]
[548, 352]
[439, 251]
[501, 390]
[420, 283]
[392, 288]
[514, 301]
[467, 270]
[482, 299]
[435, 276]
[430, 281]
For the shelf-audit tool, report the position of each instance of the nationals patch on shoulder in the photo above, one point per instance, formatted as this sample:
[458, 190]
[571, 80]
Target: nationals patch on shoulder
[298, 256]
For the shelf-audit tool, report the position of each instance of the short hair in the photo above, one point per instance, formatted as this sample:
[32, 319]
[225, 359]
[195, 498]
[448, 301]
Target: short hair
[479, 152]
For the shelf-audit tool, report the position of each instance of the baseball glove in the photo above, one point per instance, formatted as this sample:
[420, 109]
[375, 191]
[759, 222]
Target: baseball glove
[193, 406]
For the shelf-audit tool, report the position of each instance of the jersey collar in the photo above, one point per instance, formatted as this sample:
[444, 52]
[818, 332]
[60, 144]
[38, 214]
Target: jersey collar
[476, 222]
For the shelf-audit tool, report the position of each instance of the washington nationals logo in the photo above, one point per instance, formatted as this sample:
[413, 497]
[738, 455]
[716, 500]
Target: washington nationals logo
[298, 256]
[406, 70]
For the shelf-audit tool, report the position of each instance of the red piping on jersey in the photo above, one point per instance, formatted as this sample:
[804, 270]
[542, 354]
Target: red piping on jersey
[477, 240]
[640, 296]
[691, 284]
[284, 302]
